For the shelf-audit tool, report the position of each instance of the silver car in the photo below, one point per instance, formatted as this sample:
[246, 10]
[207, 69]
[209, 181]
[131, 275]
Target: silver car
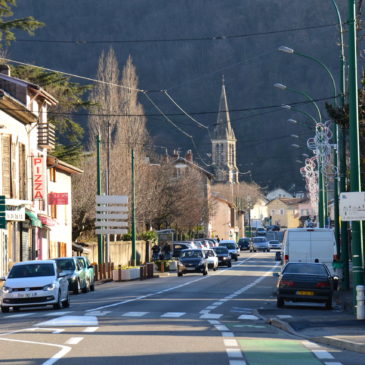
[259, 244]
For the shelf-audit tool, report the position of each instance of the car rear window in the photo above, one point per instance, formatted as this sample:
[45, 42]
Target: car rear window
[221, 249]
[259, 240]
[311, 269]
[67, 264]
[231, 246]
[31, 270]
[191, 254]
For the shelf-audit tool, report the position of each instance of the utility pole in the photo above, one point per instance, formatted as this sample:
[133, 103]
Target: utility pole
[133, 214]
[107, 187]
[355, 180]
[98, 192]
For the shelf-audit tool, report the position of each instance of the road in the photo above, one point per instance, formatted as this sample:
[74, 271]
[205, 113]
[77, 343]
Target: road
[214, 319]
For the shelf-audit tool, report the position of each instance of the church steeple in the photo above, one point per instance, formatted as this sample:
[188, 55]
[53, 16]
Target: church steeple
[224, 143]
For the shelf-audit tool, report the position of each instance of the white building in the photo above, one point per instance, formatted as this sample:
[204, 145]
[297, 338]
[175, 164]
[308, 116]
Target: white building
[278, 193]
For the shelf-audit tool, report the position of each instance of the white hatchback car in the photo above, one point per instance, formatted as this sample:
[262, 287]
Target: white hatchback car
[212, 258]
[34, 283]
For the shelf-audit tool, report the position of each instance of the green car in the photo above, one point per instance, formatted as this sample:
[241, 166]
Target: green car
[76, 274]
[88, 270]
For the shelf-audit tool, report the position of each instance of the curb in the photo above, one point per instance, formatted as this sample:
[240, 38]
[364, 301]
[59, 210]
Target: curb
[325, 340]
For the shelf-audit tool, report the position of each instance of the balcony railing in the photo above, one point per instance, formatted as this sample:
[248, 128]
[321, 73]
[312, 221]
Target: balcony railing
[46, 135]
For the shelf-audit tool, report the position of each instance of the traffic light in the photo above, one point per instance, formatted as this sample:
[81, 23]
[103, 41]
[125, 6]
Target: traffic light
[2, 212]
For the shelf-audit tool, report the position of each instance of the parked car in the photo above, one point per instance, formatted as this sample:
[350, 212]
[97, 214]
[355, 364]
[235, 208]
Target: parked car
[274, 244]
[224, 258]
[310, 245]
[177, 247]
[89, 270]
[34, 283]
[212, 258]
[75, 274]
[232, 248]
[259, 244]
[192, 260]
[305, 282]
[273, 228]
[260, 231]
[244, 243]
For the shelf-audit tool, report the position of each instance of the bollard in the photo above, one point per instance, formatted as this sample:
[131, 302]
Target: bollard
[360, 312]
[119, 272]
[141, 276]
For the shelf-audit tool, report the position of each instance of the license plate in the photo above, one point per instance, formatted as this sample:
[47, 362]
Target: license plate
[301, 292]
[26, 295]
[190, 268]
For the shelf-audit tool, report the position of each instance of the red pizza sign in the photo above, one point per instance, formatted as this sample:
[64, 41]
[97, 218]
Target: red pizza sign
[57, 198]
[38, 178]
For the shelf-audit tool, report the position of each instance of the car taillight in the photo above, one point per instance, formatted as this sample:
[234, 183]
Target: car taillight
[284, 283]
[323, 284]
[286, 258]
[335, 257]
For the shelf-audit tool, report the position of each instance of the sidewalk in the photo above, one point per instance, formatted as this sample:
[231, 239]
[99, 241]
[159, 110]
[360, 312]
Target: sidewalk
[338, 327]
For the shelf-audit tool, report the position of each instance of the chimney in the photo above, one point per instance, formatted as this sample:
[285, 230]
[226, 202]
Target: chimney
[175, 154]
[5, 69]
[189, 156]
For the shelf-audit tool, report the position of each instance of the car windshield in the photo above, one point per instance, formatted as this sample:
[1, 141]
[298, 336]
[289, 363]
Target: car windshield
[311, 269]
[259, 240]
[229, 245]
[191, 254]
[220, 249]
[31, 270]
[66, 264]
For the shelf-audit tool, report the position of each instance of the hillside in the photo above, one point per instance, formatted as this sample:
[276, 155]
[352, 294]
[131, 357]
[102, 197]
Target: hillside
[192, 70]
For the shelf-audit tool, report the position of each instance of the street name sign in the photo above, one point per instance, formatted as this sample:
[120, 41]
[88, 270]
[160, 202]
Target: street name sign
[111, 214]
[352, 206]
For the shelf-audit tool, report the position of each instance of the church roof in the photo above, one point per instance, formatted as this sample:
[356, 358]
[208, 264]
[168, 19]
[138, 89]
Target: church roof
[223, 128]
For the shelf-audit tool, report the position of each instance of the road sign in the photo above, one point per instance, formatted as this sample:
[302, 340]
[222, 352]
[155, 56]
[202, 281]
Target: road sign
[352, 206]
[109, 218]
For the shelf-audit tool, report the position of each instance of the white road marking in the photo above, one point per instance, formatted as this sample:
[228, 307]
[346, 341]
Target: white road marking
[310, 344]
[173, 314]
[19, 315]
[236, 353]
[211, 316]
[99, 313]
[332, 363]
[217, 303]
[79, 321]
[248, 316]
[213, 321]
[134, 314]
[90, 329]
[56, 314]
[221, 327]
[283, 316]
[322, 354]
[64, 349]
[227, 334]
[204, 311]
[230, 343]
[53, 330]
[211, 307]
[237, 362]
[74, 340]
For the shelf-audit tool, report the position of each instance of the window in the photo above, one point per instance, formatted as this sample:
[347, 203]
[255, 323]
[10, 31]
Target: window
[281, 211]
[272, 211]
[6, 165]
[53, 211]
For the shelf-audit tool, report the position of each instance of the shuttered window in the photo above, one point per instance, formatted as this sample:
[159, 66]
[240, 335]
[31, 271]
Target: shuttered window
[6, 165]
[22, 173]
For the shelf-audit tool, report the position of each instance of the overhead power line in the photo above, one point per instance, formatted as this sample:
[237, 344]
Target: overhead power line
[187, 39]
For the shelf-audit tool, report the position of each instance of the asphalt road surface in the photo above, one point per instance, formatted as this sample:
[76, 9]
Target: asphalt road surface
[194, 319]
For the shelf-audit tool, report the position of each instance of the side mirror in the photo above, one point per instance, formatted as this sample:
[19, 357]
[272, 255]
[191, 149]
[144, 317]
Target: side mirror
[275, 274]
[62, 274]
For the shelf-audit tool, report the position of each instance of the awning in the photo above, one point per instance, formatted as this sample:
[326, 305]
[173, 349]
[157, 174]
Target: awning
[46, 221]
[33, 218]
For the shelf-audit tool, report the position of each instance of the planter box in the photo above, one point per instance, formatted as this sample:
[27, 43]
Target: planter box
[173, 266]
[126, 274]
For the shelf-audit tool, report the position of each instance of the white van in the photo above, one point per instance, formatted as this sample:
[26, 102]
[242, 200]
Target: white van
[310, 245]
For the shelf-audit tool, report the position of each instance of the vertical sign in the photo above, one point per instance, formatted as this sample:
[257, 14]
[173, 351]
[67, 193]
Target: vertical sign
[2, 212]
[38, 178]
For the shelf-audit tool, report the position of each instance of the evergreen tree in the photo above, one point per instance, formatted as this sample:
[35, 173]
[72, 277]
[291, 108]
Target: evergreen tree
[7, 27]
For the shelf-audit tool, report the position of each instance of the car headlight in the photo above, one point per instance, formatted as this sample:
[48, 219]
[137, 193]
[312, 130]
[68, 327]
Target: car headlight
[50, 287]
[7, 290]
[201, 262]
[224, 258]
[73, 277]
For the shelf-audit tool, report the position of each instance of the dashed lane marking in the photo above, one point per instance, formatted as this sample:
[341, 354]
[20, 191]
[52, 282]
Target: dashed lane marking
[235, 353]
[211, 316]
[227, 334]
[249, 317]
[173, 314]
[230, 343]
[237, 362]
[90, 329]
[134, 314]
[221, 327]
[74, 340]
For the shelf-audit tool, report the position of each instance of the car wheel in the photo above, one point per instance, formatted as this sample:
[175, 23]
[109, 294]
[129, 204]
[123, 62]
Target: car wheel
[329, 303]
[58, 305]
[236, 259]
[229, 264]
[92, 287]
[66, 303]
[87, 287]
[280, 302]
[215, 268]
[179, 274]
[5, 309]
[205, 272]
[76, 289]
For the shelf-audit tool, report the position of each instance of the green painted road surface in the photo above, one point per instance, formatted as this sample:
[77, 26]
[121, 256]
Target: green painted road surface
[277, 352]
